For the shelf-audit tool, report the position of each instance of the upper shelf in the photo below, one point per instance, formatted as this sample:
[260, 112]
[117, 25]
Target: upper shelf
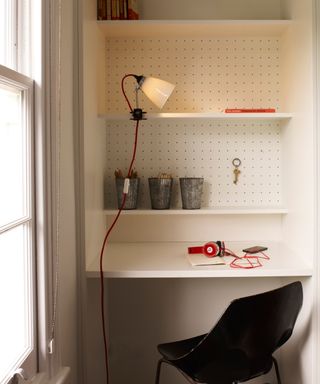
[192, 28]
[201, 115]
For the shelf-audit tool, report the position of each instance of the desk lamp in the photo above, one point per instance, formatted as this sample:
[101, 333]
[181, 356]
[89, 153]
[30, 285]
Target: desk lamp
[158, 91]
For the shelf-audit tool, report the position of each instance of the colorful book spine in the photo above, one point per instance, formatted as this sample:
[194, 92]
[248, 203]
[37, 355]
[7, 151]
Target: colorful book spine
[103, 10]
[108, 9]
[121, 9]
[100, 9]
[133, 13]
[115, 10]
[125, 9]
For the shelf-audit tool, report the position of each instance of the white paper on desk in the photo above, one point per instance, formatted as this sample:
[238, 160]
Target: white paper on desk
[197, 260]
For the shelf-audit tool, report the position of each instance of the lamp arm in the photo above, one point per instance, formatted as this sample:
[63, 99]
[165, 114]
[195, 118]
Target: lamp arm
[137, 113]
[138, 79]
[123, 90]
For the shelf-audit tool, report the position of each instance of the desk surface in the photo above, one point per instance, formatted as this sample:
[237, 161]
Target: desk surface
[169, 259]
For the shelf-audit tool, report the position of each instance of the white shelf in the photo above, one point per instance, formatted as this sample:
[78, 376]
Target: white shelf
[169, 259]
[192, 28]
[203, 211]
[201, 115]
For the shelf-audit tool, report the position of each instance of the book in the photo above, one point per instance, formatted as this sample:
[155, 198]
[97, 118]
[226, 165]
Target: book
[103, 9]
[198, 260]
[100, 9]
[108, 9]
[121, 9]
[249, 110]
[133, 13]
[115, 9]
[125, 9]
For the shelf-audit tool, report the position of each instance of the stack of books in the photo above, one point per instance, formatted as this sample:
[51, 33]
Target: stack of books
[117, 10]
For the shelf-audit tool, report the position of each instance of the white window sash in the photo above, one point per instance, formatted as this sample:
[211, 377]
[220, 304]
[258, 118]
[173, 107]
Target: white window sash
[13, 79]
[9, 44]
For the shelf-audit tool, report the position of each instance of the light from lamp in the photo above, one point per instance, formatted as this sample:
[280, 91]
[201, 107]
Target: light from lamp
[157, 90]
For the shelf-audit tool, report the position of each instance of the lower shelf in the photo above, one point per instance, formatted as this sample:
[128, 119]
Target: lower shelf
[204, 211]
[169, 259]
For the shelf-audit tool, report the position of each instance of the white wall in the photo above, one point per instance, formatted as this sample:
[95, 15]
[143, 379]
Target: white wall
[208, 9]
[93, 131]
[94, 138]
[298, 73]
[142, 313]
[298, 137]
[68, 260]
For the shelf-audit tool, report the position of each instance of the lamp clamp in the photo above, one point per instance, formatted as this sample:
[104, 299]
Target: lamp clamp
[138, 114]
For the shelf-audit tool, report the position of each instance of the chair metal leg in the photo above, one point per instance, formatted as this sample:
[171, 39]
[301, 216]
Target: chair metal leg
[158, 371]
[276, 367]
[169, 363]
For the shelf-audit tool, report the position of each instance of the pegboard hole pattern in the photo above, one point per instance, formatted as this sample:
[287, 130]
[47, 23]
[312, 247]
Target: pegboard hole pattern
[201, 148]
[210, 74]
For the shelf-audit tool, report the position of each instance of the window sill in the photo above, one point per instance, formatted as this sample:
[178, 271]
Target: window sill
[62, 377]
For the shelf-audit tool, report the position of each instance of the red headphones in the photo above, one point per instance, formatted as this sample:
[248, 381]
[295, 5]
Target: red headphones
[211, 249]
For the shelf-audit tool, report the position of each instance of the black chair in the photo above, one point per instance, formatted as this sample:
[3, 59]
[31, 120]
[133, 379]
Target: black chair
[240, 346]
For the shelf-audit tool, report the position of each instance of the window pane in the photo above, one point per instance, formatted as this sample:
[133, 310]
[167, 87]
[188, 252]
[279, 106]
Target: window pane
[8, 28]
[16, 300]
[13, 156]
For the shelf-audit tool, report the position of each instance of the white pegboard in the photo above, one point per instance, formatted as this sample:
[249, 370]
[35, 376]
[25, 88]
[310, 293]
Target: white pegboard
[210, 74]
[201, 148]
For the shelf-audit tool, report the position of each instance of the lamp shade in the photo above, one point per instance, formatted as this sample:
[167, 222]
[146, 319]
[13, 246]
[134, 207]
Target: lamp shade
[157, 90]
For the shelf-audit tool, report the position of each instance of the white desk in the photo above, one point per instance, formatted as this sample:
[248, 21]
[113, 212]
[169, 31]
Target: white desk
[169, 259]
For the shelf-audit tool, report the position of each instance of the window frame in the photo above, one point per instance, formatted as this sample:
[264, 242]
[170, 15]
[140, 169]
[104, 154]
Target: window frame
[32, 36]
[44, 69]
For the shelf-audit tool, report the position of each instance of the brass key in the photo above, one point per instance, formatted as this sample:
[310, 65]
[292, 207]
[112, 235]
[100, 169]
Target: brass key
[236, 163]
[236, 172]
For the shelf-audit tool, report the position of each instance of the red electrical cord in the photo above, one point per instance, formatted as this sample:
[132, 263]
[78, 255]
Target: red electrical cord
[123, 91]
[247, 261]
[102, 307]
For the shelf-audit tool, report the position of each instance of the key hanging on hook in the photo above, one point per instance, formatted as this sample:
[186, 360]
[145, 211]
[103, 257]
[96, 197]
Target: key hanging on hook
[236, 162]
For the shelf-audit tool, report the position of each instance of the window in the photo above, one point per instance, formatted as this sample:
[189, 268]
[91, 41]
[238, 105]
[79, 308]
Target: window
[17, 221]
[16, 35]
[8, 33]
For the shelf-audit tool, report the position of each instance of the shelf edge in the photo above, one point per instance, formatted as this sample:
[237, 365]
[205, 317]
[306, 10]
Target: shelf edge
[201, 115]
[306, 272]
[202, 211]
[192, 28]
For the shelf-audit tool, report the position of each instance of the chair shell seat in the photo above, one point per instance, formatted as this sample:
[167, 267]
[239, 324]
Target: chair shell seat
[240, 346]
